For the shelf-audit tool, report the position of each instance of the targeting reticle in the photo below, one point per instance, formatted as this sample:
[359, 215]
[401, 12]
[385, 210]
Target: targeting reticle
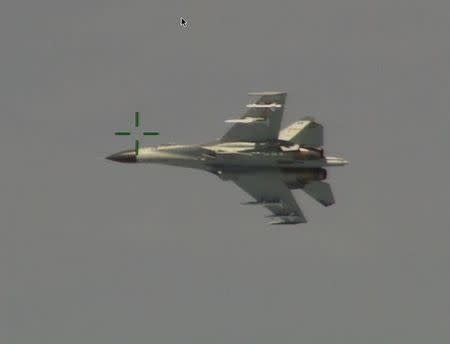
[136, 125]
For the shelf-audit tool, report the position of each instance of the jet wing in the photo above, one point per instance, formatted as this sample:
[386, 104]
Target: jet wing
[267, 188]
[262, 120]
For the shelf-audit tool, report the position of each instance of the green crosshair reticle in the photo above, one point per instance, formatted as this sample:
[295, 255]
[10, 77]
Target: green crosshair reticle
[136, 125]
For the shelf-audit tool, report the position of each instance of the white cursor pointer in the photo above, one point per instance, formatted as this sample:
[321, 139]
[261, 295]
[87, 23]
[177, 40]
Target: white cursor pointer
[183, 22]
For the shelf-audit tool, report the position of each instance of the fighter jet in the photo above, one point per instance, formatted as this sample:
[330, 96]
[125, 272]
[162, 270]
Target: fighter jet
[259, 158]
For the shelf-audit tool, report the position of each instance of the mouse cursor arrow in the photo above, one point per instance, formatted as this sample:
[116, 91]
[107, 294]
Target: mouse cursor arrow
[183, 22]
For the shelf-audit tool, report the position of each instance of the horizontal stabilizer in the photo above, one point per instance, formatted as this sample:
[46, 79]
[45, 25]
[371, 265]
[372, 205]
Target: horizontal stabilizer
[321, 192]
[306, 132]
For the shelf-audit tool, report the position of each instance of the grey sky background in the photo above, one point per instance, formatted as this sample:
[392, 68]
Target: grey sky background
[97, 252]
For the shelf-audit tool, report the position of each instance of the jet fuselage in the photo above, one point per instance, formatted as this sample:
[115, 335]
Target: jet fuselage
[221, 156]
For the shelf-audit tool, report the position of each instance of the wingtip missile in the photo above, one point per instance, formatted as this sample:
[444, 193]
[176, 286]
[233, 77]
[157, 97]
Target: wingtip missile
[266, 93]
[246, 120]
[263, 202]
[290, 220]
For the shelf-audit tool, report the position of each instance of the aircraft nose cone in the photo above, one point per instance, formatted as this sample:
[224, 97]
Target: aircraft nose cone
[128, 156]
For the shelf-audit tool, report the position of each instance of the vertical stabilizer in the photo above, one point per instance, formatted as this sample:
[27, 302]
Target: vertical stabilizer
[305, 132]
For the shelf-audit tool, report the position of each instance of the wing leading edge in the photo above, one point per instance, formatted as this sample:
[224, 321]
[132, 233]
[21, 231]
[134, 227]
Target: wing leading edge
[268, 190]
